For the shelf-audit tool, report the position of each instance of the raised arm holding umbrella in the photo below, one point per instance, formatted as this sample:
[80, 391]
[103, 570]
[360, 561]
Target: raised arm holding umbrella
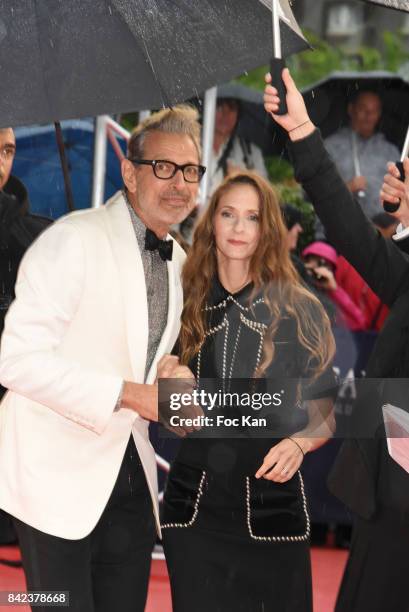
[364, 477]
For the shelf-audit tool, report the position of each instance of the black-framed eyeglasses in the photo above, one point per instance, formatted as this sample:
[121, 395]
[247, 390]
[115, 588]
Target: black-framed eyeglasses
[164, 169]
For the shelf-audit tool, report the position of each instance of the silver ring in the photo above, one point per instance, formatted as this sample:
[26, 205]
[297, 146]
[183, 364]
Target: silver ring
[284, 471]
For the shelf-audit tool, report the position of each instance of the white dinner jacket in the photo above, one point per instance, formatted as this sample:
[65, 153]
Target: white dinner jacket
[77, 328]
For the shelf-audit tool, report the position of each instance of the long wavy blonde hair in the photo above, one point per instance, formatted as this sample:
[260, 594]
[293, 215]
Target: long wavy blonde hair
[271, 271]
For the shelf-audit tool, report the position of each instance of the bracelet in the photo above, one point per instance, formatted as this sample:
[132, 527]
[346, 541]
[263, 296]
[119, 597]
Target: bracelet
[292, 440]
[296, 128]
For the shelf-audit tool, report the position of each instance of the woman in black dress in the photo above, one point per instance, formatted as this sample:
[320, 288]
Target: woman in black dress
[235, 521]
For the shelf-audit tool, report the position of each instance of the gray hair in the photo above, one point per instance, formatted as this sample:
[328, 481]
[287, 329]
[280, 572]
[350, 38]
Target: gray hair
[181, 119]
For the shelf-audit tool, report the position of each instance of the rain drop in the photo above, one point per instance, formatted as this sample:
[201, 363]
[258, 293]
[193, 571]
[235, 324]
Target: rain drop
[313, 94]
[110, 9]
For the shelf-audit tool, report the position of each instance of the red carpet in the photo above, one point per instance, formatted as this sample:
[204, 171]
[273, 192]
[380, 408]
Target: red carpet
[327, 567]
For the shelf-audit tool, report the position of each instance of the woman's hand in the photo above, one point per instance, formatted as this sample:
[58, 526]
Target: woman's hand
[296, 122]
[169, 367]
[181, 378]
[282, 461]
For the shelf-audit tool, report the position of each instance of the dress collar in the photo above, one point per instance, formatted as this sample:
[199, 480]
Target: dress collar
[219, 293]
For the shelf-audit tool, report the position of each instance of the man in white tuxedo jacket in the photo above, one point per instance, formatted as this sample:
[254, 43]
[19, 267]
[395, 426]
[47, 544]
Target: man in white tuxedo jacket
[98, 303]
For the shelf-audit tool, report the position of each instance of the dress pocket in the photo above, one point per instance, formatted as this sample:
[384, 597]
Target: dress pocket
[184, 489]
[277, 512]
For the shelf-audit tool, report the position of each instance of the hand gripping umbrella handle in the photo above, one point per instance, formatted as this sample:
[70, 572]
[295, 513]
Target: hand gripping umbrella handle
[276, 68]
[388, 206]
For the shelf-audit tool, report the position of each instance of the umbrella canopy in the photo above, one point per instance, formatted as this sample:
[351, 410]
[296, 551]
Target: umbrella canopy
[62, 59]
[254, 125]
[327, 101]
[399, 5]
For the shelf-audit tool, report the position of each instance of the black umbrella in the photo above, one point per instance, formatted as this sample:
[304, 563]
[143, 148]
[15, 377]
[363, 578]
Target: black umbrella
[327, 101]
[399, 5]
[254, 124]
[62, 59]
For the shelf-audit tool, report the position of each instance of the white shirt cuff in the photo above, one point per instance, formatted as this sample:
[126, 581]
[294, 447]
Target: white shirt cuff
[401, 233]
[119, 400]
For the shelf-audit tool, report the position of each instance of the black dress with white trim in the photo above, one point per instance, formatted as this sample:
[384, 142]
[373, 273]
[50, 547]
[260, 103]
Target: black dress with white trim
[233, 542]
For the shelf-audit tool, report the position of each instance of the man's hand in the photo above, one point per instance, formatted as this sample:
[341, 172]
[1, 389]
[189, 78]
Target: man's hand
[181, 382]
[143, 399]
[393, 190]
[358, 183]
[296, 122]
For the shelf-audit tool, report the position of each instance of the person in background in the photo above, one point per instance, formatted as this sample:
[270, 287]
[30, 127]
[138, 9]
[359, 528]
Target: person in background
[374, 311]
[320, 260]
[18, 229]
[361, 152]
[230, 151]
[293, 221]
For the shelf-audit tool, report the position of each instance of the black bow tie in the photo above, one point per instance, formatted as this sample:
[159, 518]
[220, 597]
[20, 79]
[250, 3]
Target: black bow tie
[152, 242]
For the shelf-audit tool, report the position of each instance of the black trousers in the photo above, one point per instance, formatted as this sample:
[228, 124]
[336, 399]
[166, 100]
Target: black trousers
[376, 575]
[109, 569]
